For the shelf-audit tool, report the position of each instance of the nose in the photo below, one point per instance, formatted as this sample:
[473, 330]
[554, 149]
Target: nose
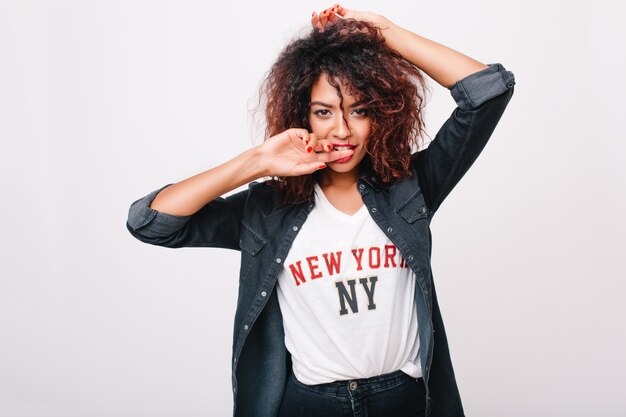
[341, 130]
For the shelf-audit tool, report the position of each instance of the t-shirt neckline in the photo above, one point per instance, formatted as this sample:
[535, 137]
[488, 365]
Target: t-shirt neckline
[323, 200]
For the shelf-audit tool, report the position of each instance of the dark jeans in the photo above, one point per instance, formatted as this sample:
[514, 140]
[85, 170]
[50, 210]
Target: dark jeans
[395, 394]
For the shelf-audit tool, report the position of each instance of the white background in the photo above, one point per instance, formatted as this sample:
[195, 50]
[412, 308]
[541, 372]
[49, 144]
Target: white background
[102, 102]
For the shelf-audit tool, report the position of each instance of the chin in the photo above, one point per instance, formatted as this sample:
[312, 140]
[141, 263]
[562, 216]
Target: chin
[344, 167]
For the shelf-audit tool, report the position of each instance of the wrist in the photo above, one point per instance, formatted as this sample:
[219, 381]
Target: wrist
[395, 36]
[382, 22]
[258, 160]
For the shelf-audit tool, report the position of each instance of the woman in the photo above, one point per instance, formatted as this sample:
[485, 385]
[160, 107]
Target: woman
[337, 312]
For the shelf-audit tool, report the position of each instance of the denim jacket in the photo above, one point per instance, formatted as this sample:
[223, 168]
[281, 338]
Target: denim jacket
[250, 222]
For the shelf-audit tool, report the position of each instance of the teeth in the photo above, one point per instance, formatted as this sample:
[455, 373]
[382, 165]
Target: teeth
[342, 148]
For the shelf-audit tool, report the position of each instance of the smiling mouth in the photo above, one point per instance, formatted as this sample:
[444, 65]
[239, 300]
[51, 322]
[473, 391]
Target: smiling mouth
[343, 147]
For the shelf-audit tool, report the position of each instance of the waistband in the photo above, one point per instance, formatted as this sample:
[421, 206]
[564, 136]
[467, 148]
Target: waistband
[361, 385]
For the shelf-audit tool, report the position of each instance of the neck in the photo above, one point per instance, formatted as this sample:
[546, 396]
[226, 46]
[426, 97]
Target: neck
[345, 180]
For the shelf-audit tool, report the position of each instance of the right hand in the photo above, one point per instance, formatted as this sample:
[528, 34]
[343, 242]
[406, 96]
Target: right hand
[293, 153]
[338, 12]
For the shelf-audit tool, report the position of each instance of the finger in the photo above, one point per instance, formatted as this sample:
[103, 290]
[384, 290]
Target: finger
[315, 20]
[324, 17]
[311, 145]
[307, 168]
[301, 135]
[304, 136]
[334, 155]
[332, 14]
[317, 165]
[340, 10]
[324, 145]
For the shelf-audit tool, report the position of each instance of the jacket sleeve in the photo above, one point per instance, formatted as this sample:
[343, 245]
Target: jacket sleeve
[481, 98]
[217, 224]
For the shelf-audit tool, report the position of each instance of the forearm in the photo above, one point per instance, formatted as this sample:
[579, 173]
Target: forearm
[444, 65]
[188, 196]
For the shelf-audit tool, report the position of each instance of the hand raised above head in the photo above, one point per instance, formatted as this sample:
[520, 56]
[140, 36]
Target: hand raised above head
[338, 12]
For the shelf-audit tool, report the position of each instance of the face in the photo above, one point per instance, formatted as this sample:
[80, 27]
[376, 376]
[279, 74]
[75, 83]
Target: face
[342, 122]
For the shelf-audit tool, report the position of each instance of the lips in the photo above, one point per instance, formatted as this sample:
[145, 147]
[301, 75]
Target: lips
[346, 159]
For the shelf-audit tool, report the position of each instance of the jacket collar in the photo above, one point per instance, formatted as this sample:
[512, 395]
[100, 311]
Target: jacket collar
[367, 174]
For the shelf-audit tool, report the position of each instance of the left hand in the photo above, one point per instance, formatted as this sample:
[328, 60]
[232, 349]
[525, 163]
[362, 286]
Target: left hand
[338, 12]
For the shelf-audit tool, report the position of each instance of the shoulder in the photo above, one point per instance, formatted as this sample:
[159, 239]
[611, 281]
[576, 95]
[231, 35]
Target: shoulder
[264, 196]
[260, 190]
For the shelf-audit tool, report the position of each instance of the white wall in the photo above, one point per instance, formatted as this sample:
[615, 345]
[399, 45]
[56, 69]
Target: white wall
[102, 102]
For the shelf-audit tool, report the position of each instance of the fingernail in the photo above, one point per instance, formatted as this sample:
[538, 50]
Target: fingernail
[306, 141]
[329, 147]
[309, 148]
[322, 166]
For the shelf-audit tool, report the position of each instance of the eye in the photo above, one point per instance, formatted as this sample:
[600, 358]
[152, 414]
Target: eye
[363, 110]
[319, 112]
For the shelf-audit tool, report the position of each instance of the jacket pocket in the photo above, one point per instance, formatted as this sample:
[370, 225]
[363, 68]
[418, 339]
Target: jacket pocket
[250, 240]
[250, 243]
[413, 208]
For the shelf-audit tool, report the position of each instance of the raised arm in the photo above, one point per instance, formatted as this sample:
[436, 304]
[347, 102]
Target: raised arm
[443, 64]
[481, 92]
[481, 99]
[193, 213]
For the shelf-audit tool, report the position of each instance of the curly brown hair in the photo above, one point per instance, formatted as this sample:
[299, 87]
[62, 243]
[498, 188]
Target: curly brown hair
[354, 53]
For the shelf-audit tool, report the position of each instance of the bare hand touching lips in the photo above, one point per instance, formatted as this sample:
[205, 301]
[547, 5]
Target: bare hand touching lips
[297, 152]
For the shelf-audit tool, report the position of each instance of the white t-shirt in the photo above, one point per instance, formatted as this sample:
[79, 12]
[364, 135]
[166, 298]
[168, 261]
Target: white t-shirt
[347, 299]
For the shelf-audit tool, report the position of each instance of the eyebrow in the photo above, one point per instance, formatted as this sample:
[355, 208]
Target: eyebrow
[330, 106]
